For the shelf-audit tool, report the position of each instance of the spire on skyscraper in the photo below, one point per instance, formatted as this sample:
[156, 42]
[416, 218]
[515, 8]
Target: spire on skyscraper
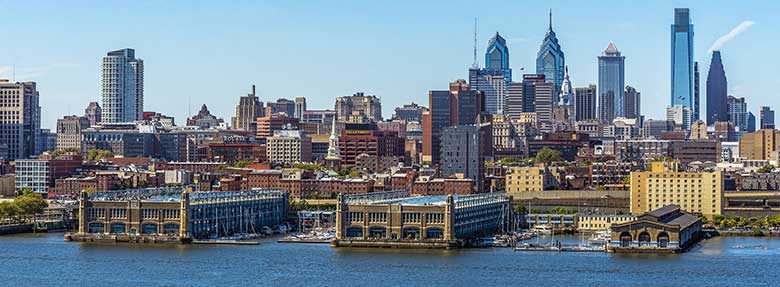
[550, 19]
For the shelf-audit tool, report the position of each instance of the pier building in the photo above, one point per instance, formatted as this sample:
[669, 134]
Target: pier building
[395, 219]
[176, 214]
[664, 230]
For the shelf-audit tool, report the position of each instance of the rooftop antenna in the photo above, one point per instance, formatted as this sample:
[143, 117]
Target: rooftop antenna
[13, 73]
[550, 19]
[475, 64]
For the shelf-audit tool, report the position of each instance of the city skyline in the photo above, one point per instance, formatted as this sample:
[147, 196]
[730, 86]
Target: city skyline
[69, 80]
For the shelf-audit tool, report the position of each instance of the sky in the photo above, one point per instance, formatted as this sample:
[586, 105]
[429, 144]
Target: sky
[211, 52]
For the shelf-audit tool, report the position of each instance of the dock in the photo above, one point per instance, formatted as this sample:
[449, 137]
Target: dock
[225, 242]
[310, 241]
[559, 248]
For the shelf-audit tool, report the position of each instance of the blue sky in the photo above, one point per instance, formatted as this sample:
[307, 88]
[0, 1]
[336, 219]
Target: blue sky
[210, 52]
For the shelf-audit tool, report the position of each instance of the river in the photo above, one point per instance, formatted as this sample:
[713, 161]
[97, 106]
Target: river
[46, 260]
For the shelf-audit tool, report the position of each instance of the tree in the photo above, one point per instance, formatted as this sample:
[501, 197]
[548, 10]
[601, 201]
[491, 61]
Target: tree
[767, 168]
[241, 164]
[626, 180]
[521, 209]
[307, 166]
[31, 204]
[548, 155]
[345, 171]
[98, 154]
[8, 210]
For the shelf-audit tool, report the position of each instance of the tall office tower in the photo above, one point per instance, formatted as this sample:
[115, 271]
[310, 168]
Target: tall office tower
[93, 113]
[123, 87]
[611, 84]
[493, 85]
[681, 115]
[751, 126]
[465, 104]
[359, 105]
[682, 59]
[717, 87]
[248, 109]
[300, 107]
[696, 109]
[497, 57]
[282, 105]
[737, 112]
[438, 118]
[585, 103]
[633, 103]
[532, 95]
[20, 126]
[767, 118]
[550, 60]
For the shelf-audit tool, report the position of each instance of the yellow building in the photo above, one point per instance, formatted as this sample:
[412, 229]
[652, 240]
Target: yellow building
[528, 178]
[601, 222]
[760, 145]
[664, 184]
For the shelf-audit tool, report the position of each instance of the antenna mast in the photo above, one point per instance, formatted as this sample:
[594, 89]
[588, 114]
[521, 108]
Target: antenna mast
[475, 64]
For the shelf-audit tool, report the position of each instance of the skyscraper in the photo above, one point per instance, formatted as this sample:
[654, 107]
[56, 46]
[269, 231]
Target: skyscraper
[737, 112]
[359, 105]
[21, 123]
[633, 103]
[122, 87]
[532, 95]
[439, 117]
[493, 84]
[767, 118]
[249, 108]
[681, 115]
[682, 59]
[550, 60]
[585, 103]
[497, 57]
[465, 104]
[611, 83]
[717, 87]
[696, 98]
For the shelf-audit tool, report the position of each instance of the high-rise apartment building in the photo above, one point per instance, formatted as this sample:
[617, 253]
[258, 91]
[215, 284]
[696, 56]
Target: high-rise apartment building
[122, 87]
[249, 108]
[288, 147]
[737, 112]
[717, 89]
[493, 85]
[550, 60]
[682, 59]
[21, 121]
[434, 121]
[611, 84]
[464, 149]
[585, 103]
[465, 105]
[409, 113]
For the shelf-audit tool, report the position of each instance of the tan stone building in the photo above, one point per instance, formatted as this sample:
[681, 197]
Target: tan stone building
[69, 131]
[528, 178]
[664, 184]
[600, 222]
[760, 145]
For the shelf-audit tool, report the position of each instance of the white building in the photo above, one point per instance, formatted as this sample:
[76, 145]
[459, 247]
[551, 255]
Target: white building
[681, 115]
[122, 87]
[288, 147]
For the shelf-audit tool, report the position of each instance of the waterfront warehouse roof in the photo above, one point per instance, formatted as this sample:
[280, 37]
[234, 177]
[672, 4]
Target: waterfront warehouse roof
[173, 194]
[438, 200]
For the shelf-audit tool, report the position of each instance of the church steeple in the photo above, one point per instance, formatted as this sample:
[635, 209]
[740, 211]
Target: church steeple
[333, 158]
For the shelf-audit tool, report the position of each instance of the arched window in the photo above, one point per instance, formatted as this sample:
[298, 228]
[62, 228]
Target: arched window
[411, 233]
[644, 238]
[625, 239]
[170, 228]
[355, 232]
[117, 228]
[663, 240]
[434, 233]
[377, 232]
[148, 228]
[96, 227]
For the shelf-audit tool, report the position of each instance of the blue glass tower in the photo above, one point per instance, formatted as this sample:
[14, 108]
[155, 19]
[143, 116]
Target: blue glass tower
[550, 60]
[682, 59]
[497, 57]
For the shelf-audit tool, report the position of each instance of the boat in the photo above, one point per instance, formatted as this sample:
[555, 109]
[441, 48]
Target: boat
[542, 229]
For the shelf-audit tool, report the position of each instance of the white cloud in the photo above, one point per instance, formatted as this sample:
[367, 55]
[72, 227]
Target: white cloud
[730, 35]
[31, 73]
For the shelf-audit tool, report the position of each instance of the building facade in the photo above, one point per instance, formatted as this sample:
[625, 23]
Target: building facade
[585, 103]
[249, 108]
[717, 89]
[664, 184]
[368, 107]
[20, 126]
[550, 60]
[122, 87]
[682, 59]
[611, 84]
[69, 131]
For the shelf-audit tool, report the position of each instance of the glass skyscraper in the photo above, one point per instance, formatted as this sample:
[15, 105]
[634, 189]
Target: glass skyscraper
[682, 59]
[717, 87]
[550, 60]
[497, 56]
[611, 84]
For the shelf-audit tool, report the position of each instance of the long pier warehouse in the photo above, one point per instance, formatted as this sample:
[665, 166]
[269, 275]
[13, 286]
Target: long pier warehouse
[175, 214]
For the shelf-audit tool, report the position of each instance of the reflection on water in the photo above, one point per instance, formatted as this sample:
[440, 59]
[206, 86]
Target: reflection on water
[45, 260]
